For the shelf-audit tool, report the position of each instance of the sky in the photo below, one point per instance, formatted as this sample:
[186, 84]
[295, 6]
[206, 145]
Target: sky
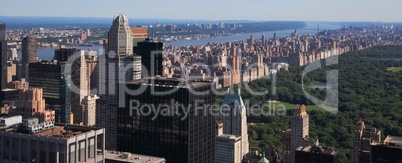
[260, 10]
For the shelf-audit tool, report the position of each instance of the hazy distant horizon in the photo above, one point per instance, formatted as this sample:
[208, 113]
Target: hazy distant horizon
[190, 20]
[164, 20]
[255, 10]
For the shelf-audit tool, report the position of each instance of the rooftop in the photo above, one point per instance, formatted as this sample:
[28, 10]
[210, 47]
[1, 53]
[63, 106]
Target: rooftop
[169, 82]
[228, 137]
[132, 158]
[62, 131]
[120, 18]
[393, 141]
[317, 149]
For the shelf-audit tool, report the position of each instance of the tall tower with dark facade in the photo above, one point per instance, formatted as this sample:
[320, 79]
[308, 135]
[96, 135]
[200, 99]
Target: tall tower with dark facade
[62, 55]
[29, 53]
[151, 57]
[184, 130]
[3, 56]
[120, 47]
[51, 77]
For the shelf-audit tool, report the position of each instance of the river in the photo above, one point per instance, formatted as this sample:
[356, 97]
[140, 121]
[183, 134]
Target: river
[48, 52]
[256, 35]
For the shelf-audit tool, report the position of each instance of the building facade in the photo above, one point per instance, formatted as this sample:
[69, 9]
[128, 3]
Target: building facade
[363, 138]
[89, 110]
[29, 53]
[228, 149]
[119, 47]
[180, 132]
[32, 104]
[151, 57]
[51, 78]
[299, 130]
[3, 58]
[51, 143]
[234, 118]
[389, 151]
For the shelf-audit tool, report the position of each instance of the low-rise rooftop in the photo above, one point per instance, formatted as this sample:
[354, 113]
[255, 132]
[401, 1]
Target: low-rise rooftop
[393, 141]
[124, 157]
[317, 149]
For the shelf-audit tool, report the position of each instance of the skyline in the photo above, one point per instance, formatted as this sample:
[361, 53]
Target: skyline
[256, 10]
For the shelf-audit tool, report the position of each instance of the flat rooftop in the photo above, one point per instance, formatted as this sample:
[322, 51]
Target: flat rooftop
[131, 158]
[228, 138]
[393, 141]
[319, 149]
[65, 131]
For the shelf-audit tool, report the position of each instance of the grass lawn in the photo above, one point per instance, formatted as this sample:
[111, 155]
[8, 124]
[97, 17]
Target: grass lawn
[394, 69]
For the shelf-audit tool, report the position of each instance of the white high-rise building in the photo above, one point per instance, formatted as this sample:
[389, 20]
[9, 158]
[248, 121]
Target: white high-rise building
[88, 105]
[120, 46]
[234, 120]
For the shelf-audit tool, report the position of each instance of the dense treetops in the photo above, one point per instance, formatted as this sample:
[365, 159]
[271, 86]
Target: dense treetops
[367, 91]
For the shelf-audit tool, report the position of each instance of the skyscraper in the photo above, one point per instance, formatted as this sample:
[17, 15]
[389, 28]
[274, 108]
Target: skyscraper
[3, 57]
[299, 130]
[234, 120]
[286, 146]
[29, 53]
[363, 137]
[62, 54]
[120, 46]
[78, 77]
[185, 134]
[51, 77]
[151, 57]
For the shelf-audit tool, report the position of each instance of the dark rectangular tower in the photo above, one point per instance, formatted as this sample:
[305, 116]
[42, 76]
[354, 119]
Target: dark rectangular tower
[185, 135]
[51, 77]
[3, 56]
[151, 57]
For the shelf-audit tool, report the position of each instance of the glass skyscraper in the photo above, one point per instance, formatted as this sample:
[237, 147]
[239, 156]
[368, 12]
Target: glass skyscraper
[56, 91]
[3, 56]
[186, 134]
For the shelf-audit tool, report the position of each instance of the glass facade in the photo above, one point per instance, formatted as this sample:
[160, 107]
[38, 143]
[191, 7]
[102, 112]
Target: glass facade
[151, 57]
[178, 134]
[56, 91]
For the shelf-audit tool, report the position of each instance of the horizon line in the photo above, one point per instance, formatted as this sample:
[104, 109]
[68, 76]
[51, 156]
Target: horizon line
[205, 20]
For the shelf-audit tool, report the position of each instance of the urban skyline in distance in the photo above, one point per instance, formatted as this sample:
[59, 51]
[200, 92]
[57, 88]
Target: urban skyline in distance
[201, 81]
[256, 10]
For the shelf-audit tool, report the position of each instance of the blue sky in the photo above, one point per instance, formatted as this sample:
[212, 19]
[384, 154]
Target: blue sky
[306, 10]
